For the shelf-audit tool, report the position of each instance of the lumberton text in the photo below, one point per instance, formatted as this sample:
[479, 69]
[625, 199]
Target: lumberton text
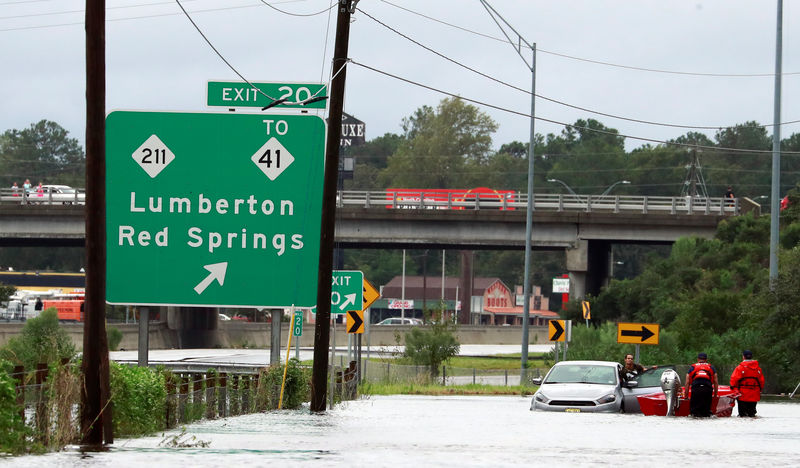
[196, 237]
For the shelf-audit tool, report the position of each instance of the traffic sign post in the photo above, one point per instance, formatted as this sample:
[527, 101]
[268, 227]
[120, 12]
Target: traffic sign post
[215, 210]
[347, 291]
[238, 94]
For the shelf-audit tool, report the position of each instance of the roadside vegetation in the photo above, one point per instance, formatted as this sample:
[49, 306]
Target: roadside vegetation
[40, 376]
[712, 296]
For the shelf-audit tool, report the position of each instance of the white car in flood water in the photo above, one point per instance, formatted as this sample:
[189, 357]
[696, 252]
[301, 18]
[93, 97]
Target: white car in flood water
[593, 386]
[580, 386]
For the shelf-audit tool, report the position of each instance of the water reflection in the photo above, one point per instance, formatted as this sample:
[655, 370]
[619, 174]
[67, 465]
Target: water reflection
[463, 431]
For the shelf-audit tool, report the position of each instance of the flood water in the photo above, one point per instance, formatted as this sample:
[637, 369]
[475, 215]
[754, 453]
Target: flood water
[459, 431]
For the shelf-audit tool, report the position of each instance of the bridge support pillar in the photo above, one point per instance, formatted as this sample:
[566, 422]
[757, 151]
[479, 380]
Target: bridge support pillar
[577, 266]
[196, 327]
[588, 267]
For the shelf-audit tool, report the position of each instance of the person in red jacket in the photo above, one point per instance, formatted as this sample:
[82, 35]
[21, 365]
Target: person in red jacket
[701, 387]
[749, 380]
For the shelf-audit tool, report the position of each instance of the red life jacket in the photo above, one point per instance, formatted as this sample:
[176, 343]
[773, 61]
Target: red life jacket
[702, 370]
[749, 380]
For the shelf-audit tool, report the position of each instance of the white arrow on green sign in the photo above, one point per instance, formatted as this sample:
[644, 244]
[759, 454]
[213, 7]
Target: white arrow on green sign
[217, 210]
[238, 94]
[347, 291]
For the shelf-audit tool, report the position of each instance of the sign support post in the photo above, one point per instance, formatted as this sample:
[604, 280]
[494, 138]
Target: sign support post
[144, 336]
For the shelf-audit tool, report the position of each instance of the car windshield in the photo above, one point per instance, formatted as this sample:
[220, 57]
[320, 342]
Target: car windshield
[582, 373]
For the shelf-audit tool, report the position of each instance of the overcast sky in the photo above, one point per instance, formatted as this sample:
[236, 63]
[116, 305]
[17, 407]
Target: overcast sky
[156, 59]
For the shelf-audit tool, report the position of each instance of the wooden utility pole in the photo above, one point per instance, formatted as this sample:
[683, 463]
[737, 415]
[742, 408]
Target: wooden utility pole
[95, 408]
[322, 328]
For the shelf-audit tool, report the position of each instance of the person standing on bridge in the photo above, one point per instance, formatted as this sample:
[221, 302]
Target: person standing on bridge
[729, 196]
[749, 380]
[729, 193]
[701, 387]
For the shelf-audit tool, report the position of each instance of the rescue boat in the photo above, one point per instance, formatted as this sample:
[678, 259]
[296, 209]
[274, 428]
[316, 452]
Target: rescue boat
[655, 404]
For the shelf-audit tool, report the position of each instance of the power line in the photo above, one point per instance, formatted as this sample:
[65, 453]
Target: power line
[597, 62]
[297, 14]
[613, 116]
[523, 114]
[257, 89]
[67, 12]
[159, 15]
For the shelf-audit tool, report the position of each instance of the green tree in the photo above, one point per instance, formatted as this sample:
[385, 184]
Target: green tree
[42, 152]
[432, 345]
[587, 156]
[370, 159]
[438, 144]
[748, 173]
[6, 291]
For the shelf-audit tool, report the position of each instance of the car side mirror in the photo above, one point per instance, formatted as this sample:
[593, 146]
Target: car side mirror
[631, 384]
[536, 380]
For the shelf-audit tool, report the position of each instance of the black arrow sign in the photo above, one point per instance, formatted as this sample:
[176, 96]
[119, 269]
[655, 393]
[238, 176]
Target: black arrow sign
[357, 322]
[645, 333]
[559, 330]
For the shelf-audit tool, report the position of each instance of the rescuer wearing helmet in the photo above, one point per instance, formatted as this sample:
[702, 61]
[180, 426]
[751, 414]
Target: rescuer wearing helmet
[749, 380]
[702, 380]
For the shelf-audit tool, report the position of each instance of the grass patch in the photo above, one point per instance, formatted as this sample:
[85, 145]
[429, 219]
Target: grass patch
[494, 362]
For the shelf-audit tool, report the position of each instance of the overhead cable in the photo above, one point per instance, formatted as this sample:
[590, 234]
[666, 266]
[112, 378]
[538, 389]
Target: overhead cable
[555, 101]
[598, 62]
[297, 14]
[523, 114]
[312, 98]
[158, 15]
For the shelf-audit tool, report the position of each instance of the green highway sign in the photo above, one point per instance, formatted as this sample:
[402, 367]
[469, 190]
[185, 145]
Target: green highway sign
[215, 210]
[347, 291]
[237, 94]
[297, 325]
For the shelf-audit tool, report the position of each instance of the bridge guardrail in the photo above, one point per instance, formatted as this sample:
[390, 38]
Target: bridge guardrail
[423, 201]
[48, 196]
[544, 202]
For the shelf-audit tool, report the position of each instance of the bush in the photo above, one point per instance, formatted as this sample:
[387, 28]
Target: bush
[41, 341]
[12, 429]
[432, 345]
[139, 398]
[296, 390]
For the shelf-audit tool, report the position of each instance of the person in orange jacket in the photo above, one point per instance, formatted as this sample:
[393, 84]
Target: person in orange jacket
[749, 380]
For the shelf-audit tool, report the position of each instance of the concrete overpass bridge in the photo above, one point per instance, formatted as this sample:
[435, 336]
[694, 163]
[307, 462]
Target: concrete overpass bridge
[583, 226]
